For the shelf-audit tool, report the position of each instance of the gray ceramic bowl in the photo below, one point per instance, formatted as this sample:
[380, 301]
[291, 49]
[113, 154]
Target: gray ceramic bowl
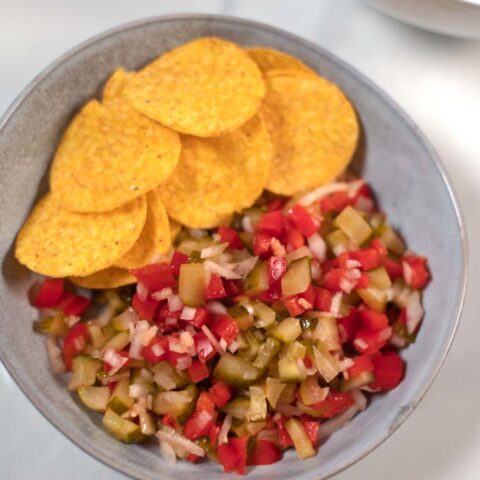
[397, 160]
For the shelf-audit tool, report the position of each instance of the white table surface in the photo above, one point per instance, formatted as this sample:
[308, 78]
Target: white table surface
[436, 79]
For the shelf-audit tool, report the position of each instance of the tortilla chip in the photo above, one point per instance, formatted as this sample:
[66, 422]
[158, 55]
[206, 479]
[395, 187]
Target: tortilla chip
[218, 176]
[269, 59]
[115, 84]
[59, 243]
[111, 277]
[155, 236]
[313, 128]
[204, 88]
[109, 155]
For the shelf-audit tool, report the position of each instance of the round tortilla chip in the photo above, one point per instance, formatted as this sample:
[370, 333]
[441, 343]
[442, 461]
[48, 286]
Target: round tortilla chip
[115, 84]
[217, 176]
[111, 277]
[109, 155]
[204, 88]
[60, 243]
[313, 128]
[155, 236]
[269, 59]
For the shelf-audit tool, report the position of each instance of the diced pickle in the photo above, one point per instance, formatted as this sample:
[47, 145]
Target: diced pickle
[264, 316]
[54, 325]
[97, 337]
[354, 225]
[165, 375]
[94, 398]
[236, 371]
[289, 370]
[301, 441]
[119, 341]
[120, 401]
[273, 390]
[84, 370]
[297, 277]
[147, 423]
[391, 239]
[268, 351]
[179, 410]
[373, 297]
[328, 366]
[257, 411]
[237, 407]
[297, 350]
[254, 344]
[191, 284]
[288, 393]
[338, 241]
[379, 278]
[257, 280]
[122, 429]
[287, 330]
[241, 316]
[327, 332]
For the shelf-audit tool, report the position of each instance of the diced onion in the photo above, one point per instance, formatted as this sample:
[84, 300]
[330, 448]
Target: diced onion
[247, 224]
[213, 250]
[174, 345]
[223, 344]
[315, 270]
[157, 350]
[177, 440]
[115, 360]
[188, 313]
[322, 192]
[317, 246]
[164, 380]
[142, 291]
[184, 362]
[176, 397]
[328, 427]
[352, 263]
[354, 187]
[277, 247]
[303, 302]
[149, 335]
[398, 341]
[346, 363]
[413, 311]
[407, 273]
[163, 294]
[208, 333]
[198, 233]
[136, 346]
[221, 270]
[336, 304]
[168, 452]
[233, 347]
[73, 320]
[115, 378]
[338, 250]
[360, 343]
[174, 303]
[246, 266]
[137, 390]
[360, 399]
[346, 285]
[215, 307]
[223, 435]
[55, 356]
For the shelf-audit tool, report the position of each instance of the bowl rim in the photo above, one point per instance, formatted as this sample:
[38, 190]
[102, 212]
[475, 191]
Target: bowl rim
[30, 87]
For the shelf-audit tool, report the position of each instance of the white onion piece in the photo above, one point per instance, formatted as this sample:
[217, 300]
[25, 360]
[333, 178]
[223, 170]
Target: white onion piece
[245, 266]
[221, 270]
[247, 224]
[174, 303]
[360, 399]
[213, 250]
[398, 341]
[149, 335]
[223, 344]
[176, 397]
[352, 263]
[136, 346]
[73, 320]
[277, 247]
[142, 291]
[298, 253]
[338, 250]
[188, 313]
[315, 270]
[336, 304]
[233, 347]
[157, 350]
[184, 362]
[177, 440]
[163, 294]
[414, 311]
[197, 233]
[130, 315]
[223, 435]
[164, 381]
[115, 360]
[174, 345]
[168, 452]
[346, 363]
[354, 187]
[332, 425]
[317, 246]
[322, 192]
[55, 356]
[407, 273]
[208, 333]
[217, 308]
[137, 390]
[365, 204]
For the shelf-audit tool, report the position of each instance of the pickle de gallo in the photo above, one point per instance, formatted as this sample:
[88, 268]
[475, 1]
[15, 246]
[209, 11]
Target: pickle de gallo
[248, 339]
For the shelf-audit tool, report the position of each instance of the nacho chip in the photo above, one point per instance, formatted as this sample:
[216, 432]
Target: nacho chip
[269, 59]
[111, 277]
[313, 128]
[109, 155]
[175, 229]
[217, 176]
[155, 236]
[115, 84]
[60, 243]
[204, 88]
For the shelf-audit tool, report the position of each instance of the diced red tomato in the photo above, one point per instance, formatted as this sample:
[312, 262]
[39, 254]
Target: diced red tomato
[230, 236]
[201, 317]
[198, 371]
[204, 347]
[175, 358]
[215, 288]
[333, 279]
[270, 223]
[169, 421]
[305, 222]
[393, 267]
[155, 276]
[262, 244]
[335, 403]
[276, 268]
[145, 309]
[335, 202]
[276, 204]
[368, 257]
[233, 287]
[213, 434]
[74, 343]
[361, 364]
[224, 326]
[198, 425]
[294, 238]
[272, 294]
[389, 369]
[191, 457]
[323, 299]
[73, 305]
[165, 313]
[283, 436]
[205, 402]
[49, 293]
[294, 305]
[149, 351]
[233, 455]
[220, 394]
[373, 320]
[348, 325]
[311, 427]
[419, 275]
[264, 453]
[363, 281]
[178, 259]
[377, 244]
[367, 341]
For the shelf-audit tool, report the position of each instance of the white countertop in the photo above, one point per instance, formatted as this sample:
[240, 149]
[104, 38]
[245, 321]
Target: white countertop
[437, 81]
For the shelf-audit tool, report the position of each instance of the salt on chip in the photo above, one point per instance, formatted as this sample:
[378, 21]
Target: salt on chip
[269, 59]
[217, 176]
[205, 88]
[109, 155]
[60, 243]
[111, 277]
[115, 84]
[313, 128]
[155, 236]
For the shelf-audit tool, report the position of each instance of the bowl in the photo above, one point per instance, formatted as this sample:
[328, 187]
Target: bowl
[394, 156]
[458, 18]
